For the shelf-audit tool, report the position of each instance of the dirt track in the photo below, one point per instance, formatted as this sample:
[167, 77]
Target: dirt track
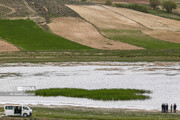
[12, 9]
[76, 29]
[7, 47]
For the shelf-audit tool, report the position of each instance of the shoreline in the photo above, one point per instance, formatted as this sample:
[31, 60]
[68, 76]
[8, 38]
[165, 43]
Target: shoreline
[82, 107]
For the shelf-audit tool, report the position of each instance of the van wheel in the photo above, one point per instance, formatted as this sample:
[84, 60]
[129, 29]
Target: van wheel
[25, 115]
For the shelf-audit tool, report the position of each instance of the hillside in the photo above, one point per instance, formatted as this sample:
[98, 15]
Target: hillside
[85, 25]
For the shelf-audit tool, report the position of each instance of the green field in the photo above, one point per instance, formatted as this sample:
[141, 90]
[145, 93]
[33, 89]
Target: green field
[99, 94]
[165, 14]
[80, 113]
[91, 56]
[137, 38]
[28, 35]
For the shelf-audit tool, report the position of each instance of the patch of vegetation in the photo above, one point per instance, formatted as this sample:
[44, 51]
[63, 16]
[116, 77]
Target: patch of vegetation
[165, 14]
[92, 55]
[55, 8]
[154, 3]
[137, 38]
[169, 5]
[1, 110]
[99, 94]
[108, 2]
[29, 36]
[136, 7]
[157, 12]
[81, 113]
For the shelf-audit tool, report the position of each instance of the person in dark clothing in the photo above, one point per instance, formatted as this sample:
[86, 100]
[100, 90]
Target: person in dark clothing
[171, 108]
[174, 107]
[163, 108]
[166, 108]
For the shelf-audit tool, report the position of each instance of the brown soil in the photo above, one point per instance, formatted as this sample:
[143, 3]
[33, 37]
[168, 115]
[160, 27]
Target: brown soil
[77, 30]
[7, 47]
[106, 17]
[148, 20]
[164, 35]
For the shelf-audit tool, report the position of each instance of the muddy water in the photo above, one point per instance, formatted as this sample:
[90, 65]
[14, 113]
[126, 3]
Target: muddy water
[162, 78]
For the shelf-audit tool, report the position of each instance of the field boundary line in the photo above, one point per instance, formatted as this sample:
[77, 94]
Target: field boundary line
[100, 32]
[125, 17]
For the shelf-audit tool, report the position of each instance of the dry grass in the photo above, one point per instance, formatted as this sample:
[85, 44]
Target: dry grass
[106, 17]
[148, 20]
[77, 30]
[103, 18]
[7, 47]
[164, 35]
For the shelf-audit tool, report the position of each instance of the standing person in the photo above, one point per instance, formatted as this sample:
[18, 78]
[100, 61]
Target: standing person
[163, 108]
[175, 106]
[171, 108]
[166, 108]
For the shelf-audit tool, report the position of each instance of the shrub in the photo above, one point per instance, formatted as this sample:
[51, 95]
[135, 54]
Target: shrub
[83, 0]
[154, 3]
[136, 7]
[139, 8]
[108, 2]
[169, 5]
[121, 5]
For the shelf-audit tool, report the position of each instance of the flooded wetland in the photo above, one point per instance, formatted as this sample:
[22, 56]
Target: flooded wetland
[161, 78]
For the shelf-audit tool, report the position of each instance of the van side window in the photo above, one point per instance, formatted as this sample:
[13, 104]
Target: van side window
[25, 108]
[9, 107]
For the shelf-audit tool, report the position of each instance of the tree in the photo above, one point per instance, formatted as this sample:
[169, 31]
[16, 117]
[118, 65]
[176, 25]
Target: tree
[154, 3]
[83, 0]
[108, 2]
[169, 5]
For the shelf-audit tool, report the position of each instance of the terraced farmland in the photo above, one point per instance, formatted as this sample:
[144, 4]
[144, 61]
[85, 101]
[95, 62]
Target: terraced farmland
[80, 31]
[80, 24]
[131, 27]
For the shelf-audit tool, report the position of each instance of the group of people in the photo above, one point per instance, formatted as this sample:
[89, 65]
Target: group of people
[165, 108]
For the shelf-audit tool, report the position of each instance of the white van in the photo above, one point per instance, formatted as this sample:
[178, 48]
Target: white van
[17, 110]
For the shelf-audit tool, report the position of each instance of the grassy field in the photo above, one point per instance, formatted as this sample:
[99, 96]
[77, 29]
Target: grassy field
[29, 36]
[77, 113]
[164, 14]
[137, 38]
[99, 94]
[91, 56]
